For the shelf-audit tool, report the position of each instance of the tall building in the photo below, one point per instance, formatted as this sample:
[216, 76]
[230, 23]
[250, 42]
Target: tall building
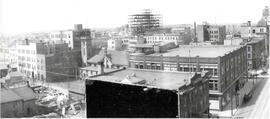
[84, 36]
[144, 22]
[211, 33]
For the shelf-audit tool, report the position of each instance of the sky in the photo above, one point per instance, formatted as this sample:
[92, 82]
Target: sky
[23, 16]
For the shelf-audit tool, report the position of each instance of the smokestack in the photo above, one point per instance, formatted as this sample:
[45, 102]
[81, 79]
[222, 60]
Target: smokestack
[195, 39]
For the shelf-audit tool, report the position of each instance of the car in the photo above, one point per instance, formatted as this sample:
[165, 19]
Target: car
[264, 73]
[247, 97]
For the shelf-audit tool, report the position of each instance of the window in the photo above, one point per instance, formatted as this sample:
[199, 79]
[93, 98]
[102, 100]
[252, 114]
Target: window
[249, 55]
[249, 48]
[215, 72]
[253, 31]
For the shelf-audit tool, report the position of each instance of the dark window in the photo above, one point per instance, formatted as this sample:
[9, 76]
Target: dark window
[253, 31]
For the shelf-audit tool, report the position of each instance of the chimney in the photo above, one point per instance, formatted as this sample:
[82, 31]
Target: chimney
[249, 23]
[100, 68]
[27, 82]
[26, 41]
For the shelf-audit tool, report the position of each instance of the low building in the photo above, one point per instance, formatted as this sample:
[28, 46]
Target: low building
[227, 64]
[105, 61]
[3, 70]
[133, 93]
[17, 102]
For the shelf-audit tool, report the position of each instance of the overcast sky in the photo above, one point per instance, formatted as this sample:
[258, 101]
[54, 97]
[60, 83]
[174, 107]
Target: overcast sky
[20, 16]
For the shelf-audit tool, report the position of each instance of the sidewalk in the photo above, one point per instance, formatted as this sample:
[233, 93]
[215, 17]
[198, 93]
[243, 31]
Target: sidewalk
[227, 111]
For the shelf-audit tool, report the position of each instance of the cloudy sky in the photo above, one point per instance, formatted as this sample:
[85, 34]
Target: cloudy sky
[21, 16]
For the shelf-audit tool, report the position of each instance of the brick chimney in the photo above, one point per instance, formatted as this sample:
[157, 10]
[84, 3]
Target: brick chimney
[100, 68]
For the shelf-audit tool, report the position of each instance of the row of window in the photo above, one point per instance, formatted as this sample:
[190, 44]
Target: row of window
[213, 36]
[31, 66]
[30, 59]
[162, 38]
[26, 51]
[173, 67]
[213, 32]
[60, 36]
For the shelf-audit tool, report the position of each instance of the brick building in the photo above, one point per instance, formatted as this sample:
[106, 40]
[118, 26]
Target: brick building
[227, 64]
[130, 93]
[37, 60]
[211, 33]
[256, 53]
[78, 39]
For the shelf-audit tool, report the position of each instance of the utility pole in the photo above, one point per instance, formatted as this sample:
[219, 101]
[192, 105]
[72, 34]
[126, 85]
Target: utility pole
[179, 105]
[231, 103]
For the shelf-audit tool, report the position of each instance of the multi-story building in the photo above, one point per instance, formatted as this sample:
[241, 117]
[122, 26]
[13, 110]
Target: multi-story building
[40, 60]
[227, 64]
[4, 54]
[256, 53]
[147, 94]
[144, 22]
[261, 29]
[64, 37]
[211, 33]
[159, 38]
[77, 39]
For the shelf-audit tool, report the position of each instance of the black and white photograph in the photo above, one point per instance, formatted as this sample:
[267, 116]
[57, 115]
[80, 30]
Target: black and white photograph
[134, 58]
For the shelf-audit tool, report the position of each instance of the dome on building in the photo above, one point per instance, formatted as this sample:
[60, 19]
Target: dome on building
[262, 23]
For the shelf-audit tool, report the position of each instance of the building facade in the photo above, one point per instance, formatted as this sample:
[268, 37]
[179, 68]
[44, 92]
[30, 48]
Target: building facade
[211, 33]
[17, 102]
[78, 39]
[159, 38]
[40, 60]
[144, 93]
[227, 64]
[105, 61]
[256, 54]
[114, 44]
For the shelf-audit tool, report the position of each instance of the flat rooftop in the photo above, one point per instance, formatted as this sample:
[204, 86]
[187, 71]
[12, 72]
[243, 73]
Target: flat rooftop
[201, 51]
[155, 79]
[92, 68]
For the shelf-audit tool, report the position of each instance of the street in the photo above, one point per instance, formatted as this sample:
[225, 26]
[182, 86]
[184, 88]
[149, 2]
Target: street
[258, 105]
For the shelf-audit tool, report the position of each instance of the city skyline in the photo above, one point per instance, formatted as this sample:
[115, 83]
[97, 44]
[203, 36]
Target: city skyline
[35, 16]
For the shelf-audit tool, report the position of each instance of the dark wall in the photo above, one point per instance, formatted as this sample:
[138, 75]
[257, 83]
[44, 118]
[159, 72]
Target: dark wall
[105, 99]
